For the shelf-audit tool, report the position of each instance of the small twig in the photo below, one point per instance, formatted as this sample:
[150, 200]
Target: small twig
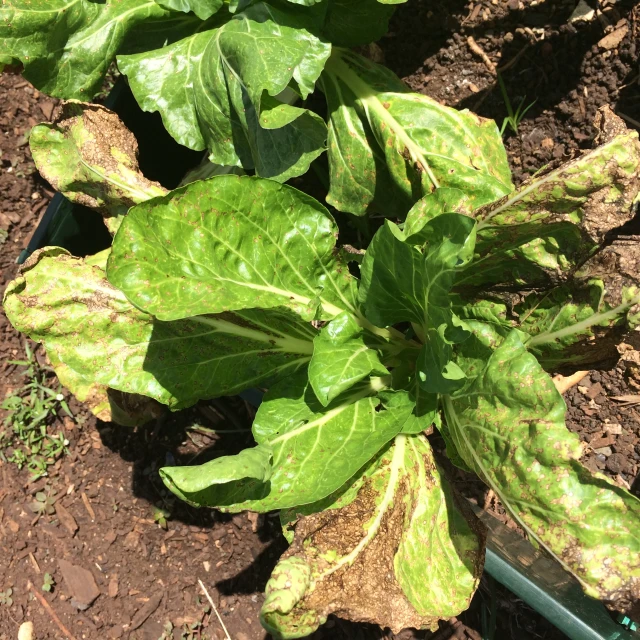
[50, 611]
[564, 384]
[508, 65]
[475, 47]
[87, 506]
[206, 593]
[629, 119]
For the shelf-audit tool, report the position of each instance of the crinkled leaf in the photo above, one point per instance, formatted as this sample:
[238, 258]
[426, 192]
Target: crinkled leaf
[315, 449]
[216, 90]
[91, 157]
[507, 424]
[230, 243]
[380, 133]
[556, 220]
[226, 480]
[341, 358]
[401, 283]
[90, 327]
[399, 552]
[202, 8]
[67, 47]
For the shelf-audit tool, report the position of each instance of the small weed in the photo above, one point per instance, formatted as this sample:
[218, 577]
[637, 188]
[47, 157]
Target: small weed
[48, 583]
[25, 441]
[167, 632]
[514, 118]
[5, 597]
[44, 502]
[161, 516]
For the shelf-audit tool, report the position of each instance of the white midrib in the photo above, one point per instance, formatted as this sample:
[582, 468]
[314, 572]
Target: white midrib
[285, 343]
[375, 385]
[370, 101]
[397, 463]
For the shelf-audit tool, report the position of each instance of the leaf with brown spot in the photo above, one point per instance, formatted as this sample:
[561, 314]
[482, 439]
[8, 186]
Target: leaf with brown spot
[398, 550]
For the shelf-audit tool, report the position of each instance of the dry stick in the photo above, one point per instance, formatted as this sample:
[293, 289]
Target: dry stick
[206, 593]
[475, 47]
[563, 384]
[508, 65]
[51, 612]
[629, 119]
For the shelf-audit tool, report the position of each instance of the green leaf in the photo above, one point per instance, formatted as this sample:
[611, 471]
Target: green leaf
[341, 358]
[422, 294]
[217, 89]
[66, 46]
[231, 243]
[508, 426]
[379, 133]
[442, 200]
[575, 324]
[315, 449]
[399, 551]
[91, 157]
[225, 480]
[202, 8]
[556, 220]
[91, 327]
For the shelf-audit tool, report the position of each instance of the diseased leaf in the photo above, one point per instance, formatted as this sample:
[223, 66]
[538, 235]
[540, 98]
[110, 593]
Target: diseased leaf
[399, 552]
[102, 339]
[574, 324]
[419, 143]
[231, 243]
[507, 424]
[91, 157]
[555, 221]
[341, 358]
[422, 293]
[67, 46]
[216, 90]
[315, 449]
[202, 8]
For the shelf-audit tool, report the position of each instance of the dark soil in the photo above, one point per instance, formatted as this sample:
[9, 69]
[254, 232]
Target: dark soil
[107, 491]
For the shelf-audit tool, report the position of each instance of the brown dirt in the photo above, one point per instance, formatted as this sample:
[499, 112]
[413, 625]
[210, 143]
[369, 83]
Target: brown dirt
[108, 485]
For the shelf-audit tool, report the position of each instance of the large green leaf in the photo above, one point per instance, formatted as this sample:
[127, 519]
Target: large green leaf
[216, 89]
[66, 46]
[401, 283]
[398, 551]
[231, 243]
[202, 8]
[507, 424]
[91, 157]
[315, 449]
[556, 220]
[341, 358]
[380, 134]
[90, 327]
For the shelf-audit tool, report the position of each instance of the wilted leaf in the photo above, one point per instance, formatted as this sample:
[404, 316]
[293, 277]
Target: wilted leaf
[103, 340]
[400, 551]
[507, 424]
[91, 157]
[231, 243]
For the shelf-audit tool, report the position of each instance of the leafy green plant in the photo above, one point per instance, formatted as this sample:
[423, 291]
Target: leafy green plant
[468, 293]
[6, 598]
[44, 503]
[30, 411]
[48, 583]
